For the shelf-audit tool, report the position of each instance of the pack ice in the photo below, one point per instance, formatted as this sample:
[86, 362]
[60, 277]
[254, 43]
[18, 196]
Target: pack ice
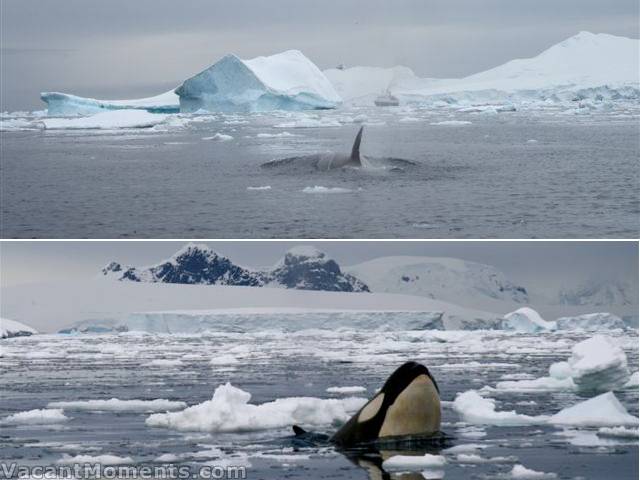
[287, 81]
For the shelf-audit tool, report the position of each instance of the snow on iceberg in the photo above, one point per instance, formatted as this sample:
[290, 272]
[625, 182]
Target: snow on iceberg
[230, 411]
[11, 328]
[595, 365]
[598, 364]
[284, 81]
[602, 411]
[108, 120]
[61, 104]
[591, 322]
[526, 320]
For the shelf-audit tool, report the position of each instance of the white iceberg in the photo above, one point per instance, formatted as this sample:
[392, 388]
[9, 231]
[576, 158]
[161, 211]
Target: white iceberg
[591, 322]
[11, 328]
[598, 364]
[602, 411]
[230, 411]
[526, 320]
[285, 81]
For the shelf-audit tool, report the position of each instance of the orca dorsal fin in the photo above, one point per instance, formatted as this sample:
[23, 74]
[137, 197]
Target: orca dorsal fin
[298, 431]
[355, 151]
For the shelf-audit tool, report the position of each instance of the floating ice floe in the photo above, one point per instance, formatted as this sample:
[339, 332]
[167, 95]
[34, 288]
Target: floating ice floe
[98, 459]
[591, 322]
[476, 409]
[36, 417]
[321, 189]
[346, 390]
[230, 411]
[604, 410]
[66, 104]
[473, 458]
[219, 137]
[265, 187]
[452, 123]
[108, 120]
[618, 432]
[521, 472]
[309, 122]
[526, 320]
[275, 135]
[117, 405]
[413, 463]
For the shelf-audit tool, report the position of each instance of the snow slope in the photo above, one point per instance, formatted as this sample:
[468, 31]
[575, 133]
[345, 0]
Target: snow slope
[11, 328]
[586, 65]
[448, 279]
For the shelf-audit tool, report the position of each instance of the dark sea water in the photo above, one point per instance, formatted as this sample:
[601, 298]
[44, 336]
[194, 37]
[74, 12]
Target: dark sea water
[515, 174]
[272, 365]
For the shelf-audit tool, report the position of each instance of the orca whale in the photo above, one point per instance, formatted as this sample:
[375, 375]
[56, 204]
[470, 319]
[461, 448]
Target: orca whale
[332, 161]
[405, 411]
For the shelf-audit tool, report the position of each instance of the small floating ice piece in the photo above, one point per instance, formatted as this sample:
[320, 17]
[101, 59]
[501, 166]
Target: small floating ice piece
[100, 459]
[345, 390]
[219, 137]
[452, 123]
[224, 360]
[41, 416]
[321, 189]
[521, 472]
[117, 405]
[618, 432]
[602, 411]
[413, 463]
[476, 409]
[108, 120]
[275, 135]
[265, 187]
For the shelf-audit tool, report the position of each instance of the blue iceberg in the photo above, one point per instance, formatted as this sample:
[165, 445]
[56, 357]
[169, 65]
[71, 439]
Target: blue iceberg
[284, 81]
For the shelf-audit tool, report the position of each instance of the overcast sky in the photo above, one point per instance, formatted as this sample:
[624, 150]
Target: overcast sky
[124, 48]
[543, 266]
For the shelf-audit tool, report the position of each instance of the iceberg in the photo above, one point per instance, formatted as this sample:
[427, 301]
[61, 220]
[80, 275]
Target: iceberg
[597, 364]
[591, 322]
[107, 120]
[11, 328]
[602, 411]
[526, 320]
[63, 104]
[284, 81]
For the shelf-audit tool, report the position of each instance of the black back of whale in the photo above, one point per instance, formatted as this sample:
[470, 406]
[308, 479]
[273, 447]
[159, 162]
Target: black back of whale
[333, 161]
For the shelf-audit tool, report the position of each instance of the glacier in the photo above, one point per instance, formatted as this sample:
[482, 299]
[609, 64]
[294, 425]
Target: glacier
[284, 81]
[584, 68]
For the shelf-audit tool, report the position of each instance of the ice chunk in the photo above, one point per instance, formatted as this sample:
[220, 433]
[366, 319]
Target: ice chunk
[591, 322]
[413, 463]
[526, 320]
[11, 328]
[61, 104]
[109, 120]
[285, 81]
[519, 471]
[601, 411]
[321, 189]
[479, 410]
[618, 432]
[598, 364]
[36, 417]
[219, 137]
[230, 411]
[101, 459]
[262, 187]
[633, 381]
[474, 458]
[346, 390]
[117, 405]
[452, 123]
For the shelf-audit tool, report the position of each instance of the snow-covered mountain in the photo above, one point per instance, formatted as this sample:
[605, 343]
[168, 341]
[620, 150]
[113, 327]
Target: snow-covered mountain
[304, 268]
[591, 66]
[448, 279]
[600, 292]
[11, 328]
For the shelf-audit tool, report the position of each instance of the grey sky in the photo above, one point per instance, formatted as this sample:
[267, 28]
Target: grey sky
[544, 266]
[123, 48]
